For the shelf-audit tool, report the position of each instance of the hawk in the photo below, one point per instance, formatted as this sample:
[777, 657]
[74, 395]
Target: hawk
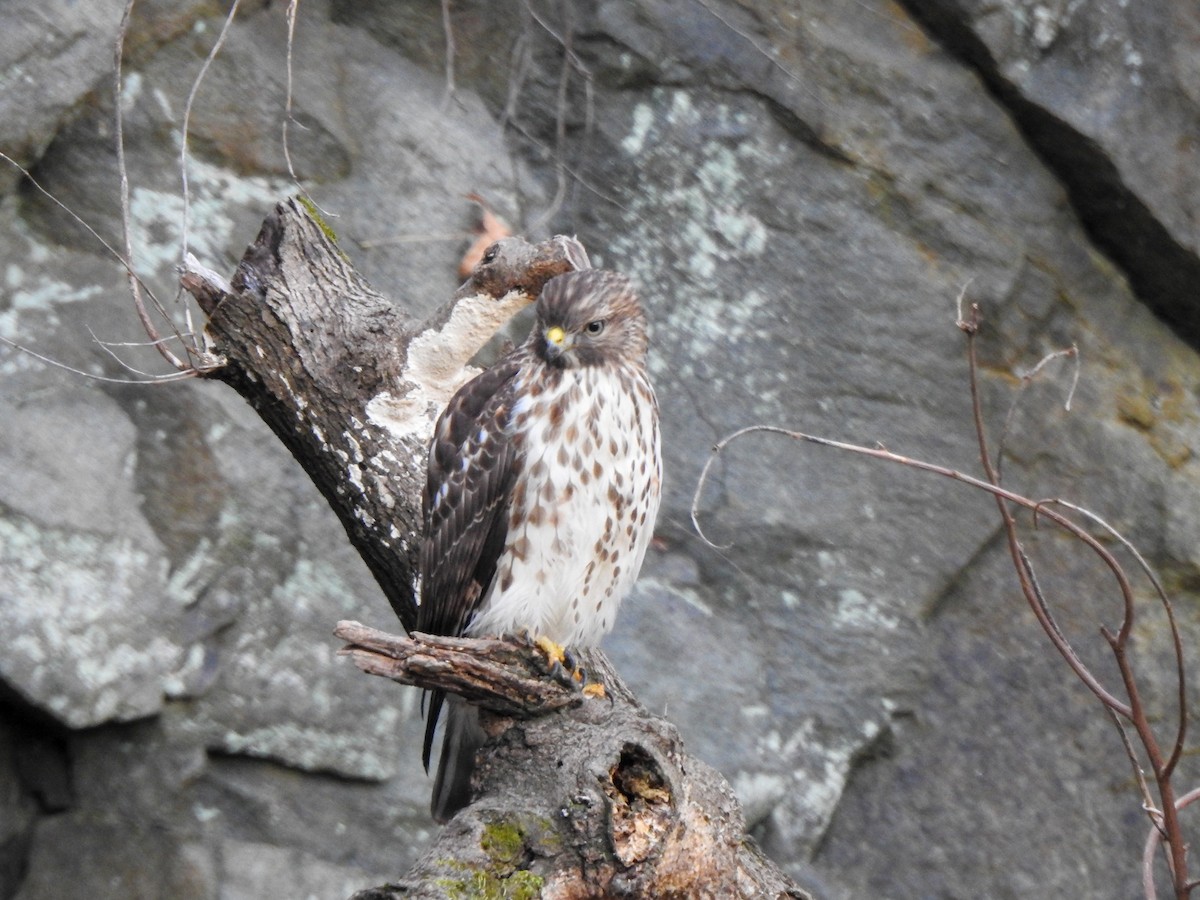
[544, 478]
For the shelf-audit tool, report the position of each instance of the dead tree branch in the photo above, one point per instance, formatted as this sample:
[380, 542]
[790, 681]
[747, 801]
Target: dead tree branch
[504, 676]
[346, 380]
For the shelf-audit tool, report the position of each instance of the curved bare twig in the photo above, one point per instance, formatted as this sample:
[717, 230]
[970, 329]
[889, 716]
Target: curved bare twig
[135, 283]
[1001, 493]
[157, 340]
[1168, 607]
[1071, 352]
[1153, 839]
[187, 121]
[108, 379]
[1135, 710]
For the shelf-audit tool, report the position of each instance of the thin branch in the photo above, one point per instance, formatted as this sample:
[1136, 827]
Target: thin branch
[1176, 845]
[1038, 597]
[970, 327]
[1061, 644]
[1026, 380]
[187, 120]
[287, 105]
[959, 321]
[156, 339]
[107, 346]
[560, 133]
[112, 251]
[1153, 838]
[1135, 710]
[183, 153]
[1168, 607]
[181, 375]
[571, 61]
[520, 62]
[104, 343]
[289, 94]
[1139, 773]
[1165, 821]
[448, 31]
[135, 283]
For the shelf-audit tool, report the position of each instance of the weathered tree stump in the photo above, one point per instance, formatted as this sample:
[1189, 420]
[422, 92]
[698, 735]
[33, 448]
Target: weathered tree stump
[577, 796]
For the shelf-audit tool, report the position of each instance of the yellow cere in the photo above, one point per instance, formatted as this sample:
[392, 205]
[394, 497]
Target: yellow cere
[555, 335]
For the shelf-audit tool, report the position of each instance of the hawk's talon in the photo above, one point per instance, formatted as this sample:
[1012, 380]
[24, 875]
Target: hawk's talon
[571, 663]
[563, 666]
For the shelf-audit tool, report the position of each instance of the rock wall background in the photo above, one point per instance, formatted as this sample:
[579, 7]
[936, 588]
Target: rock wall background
[802, 189]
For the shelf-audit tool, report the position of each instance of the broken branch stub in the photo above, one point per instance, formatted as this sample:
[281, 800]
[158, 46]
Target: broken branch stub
[505, 676]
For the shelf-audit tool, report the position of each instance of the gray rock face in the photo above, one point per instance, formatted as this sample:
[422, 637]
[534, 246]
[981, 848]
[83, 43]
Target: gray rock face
[802, 191]
[54, 54]
[1100, 97]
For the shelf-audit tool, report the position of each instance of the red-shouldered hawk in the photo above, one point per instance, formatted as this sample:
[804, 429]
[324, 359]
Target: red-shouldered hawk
[544, 482]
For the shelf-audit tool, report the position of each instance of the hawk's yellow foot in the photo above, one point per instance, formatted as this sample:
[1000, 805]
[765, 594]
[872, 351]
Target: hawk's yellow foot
[556, 654]
[563, 667]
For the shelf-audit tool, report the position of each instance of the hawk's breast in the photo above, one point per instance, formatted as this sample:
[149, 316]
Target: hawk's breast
[583, 505]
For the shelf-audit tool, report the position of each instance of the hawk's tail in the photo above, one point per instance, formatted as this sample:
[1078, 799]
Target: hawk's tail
[461, 739]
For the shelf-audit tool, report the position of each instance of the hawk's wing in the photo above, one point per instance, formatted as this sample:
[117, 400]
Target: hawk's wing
[472, 467]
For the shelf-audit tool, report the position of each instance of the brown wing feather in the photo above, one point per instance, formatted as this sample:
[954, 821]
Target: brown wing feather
[472, 466]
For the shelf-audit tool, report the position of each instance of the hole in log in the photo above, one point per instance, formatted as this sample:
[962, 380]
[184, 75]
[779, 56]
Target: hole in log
[640, 805]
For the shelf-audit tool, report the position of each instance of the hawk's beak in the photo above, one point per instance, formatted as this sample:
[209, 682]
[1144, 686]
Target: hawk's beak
[556, 342]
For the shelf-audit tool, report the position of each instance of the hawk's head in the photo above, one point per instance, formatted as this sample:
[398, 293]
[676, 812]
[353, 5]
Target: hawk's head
[589, 318]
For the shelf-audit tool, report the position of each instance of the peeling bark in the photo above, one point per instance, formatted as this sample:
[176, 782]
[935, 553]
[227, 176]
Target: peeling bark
[577, 796]
[347, 381]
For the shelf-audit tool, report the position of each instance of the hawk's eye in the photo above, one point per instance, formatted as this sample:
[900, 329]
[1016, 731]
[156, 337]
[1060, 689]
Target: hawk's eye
[491, 253]
[594, 328]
